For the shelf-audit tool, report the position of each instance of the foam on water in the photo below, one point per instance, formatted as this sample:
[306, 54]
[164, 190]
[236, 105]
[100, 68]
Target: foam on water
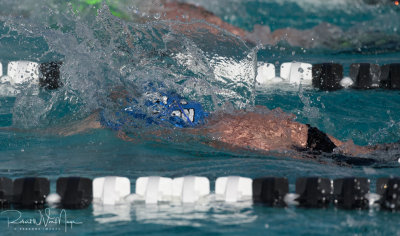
[102, 52]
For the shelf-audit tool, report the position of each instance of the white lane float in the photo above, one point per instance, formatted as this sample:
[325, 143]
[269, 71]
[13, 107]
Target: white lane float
[296, 73]
[154, 189]
[111, 190]
[190, 189]
[233, 189]
[20, 74]
[292, 73]
[265, 73]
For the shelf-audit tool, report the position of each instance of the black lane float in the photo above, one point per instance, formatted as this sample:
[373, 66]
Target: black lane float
[327, 76]
[389, 189]
[75, 192]
[350, 193]
[30, 193]
[314, 192]
[270, 191]
[6, 192]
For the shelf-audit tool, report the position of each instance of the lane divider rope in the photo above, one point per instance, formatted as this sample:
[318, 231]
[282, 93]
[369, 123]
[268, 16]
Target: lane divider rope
[311, 192]
[323, 76]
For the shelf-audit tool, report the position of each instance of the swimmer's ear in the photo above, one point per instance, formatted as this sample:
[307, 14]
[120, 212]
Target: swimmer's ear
[49, 77]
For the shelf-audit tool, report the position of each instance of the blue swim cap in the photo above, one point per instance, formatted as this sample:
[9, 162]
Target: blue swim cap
[169, 108]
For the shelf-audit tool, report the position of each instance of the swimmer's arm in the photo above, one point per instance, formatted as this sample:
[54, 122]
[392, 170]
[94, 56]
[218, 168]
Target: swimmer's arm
[92, 122]
[89, 123]
[349, 148]
[124, 136]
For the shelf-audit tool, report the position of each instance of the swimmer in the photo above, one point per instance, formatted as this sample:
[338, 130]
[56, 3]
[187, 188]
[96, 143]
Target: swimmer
[322, 35]
[259, 130]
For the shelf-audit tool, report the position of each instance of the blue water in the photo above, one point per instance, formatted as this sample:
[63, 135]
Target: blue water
[97, 59]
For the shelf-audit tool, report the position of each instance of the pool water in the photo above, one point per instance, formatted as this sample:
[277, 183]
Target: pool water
[214, 69]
